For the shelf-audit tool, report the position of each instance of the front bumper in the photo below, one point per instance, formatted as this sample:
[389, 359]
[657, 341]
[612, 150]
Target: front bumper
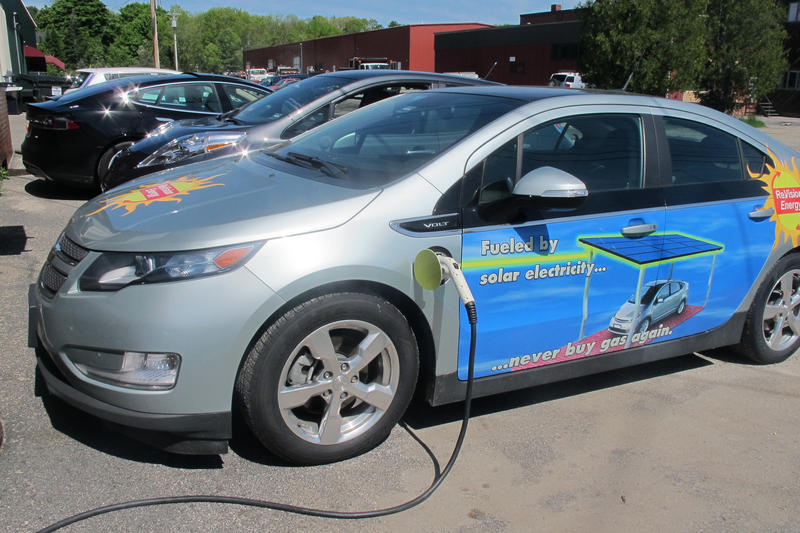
[201, 434]
[188, 318]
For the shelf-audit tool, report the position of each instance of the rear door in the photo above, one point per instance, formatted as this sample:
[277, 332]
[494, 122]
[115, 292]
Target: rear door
[714, 207]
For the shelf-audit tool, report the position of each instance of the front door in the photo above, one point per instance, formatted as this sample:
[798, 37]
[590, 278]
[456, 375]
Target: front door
[549, 280]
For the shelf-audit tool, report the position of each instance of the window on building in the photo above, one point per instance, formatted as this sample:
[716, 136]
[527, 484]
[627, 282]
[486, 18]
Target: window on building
[794, 12]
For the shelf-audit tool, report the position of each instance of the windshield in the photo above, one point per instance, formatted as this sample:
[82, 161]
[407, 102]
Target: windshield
[391, 138]
[647, 297]
[293, 97]
[558, 77]
[80, 77]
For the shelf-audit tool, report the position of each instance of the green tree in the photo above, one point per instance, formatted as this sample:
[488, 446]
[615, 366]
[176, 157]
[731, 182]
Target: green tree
[745, 51]
[76, 31]
[658, 44]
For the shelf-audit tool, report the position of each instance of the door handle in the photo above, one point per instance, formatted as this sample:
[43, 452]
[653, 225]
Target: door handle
[638, 230]
[165, 119]
[761, 214]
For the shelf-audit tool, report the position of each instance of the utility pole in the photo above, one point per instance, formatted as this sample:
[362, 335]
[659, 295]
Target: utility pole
[156, 62]
[175, 37]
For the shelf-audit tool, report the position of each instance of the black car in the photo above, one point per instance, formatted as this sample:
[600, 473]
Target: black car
[283, 115]
[72, 139]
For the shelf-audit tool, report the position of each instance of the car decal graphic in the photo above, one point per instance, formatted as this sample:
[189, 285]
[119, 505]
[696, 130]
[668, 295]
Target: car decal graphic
[783, 185]
[552, 293]
[168, 191]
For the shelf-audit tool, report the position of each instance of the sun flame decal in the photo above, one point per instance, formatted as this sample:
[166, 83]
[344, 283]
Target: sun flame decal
[168, 191]
[783, 185]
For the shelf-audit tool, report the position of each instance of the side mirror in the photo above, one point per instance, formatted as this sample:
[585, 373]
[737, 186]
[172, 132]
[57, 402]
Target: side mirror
[550, 183]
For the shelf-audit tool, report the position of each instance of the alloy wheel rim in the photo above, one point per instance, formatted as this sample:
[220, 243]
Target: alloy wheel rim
[338, 382]
[781, 323]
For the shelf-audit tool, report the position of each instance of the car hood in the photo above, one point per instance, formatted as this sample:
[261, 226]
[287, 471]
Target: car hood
[627, 311]
[229, 200]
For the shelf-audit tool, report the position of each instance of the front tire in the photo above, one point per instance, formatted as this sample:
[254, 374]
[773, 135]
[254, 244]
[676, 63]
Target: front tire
[330, 378]
[772, 330]
[105, 161]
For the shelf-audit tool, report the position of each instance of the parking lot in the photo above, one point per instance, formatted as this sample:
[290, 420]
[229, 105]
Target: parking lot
[703, 442]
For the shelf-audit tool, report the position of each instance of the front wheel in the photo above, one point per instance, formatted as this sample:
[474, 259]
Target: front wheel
[772, 330]
[105, 161]
[330, 378]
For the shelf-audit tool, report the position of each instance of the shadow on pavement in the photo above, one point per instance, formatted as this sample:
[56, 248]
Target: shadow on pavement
[52, 191]
[421, 415]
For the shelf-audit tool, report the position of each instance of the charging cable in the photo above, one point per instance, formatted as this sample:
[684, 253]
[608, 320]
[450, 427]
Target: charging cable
[448, 269]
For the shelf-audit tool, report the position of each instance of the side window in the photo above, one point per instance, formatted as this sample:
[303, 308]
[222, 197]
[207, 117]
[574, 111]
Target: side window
[373, 94]
[239, 95]
[190, 97]
[148, 96]
[603, 151]
[700, 153]
[754, 160]
[306, 123]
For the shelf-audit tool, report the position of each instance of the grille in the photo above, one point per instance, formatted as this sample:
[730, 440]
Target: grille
[73, 252]
[68, 254]
[52, 279]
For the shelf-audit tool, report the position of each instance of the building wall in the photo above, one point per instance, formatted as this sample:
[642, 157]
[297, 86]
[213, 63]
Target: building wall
[525, 55]
[412, 46]
[8, 45]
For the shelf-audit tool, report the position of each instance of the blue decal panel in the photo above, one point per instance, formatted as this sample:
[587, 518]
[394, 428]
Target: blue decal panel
[552, 293]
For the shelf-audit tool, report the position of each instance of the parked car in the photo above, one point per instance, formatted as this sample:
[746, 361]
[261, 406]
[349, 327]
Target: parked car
[71, 140]
[570, 80]
[280, 284]
[86, 77]
[287, 113]
[658, 300]
[279, 81]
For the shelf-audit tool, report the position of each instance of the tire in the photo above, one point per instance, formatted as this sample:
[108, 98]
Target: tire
[681, 307]
[104, 162]
[308, 393]
[643, 325]
[772, 329]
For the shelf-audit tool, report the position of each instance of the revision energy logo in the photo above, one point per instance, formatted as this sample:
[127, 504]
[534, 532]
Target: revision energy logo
[169, 191]
[783, 185]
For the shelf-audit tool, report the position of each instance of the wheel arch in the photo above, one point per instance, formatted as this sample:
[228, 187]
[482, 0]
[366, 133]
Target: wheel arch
[416, 320]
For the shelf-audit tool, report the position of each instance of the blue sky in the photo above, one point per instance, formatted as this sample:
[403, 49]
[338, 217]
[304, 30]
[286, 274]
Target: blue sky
[405, 12]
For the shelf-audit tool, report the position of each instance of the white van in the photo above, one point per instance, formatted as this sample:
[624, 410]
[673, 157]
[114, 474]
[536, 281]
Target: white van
[84, 77]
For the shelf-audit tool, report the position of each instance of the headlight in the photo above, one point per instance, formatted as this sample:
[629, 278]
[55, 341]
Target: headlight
[190, 146]
[113, 271]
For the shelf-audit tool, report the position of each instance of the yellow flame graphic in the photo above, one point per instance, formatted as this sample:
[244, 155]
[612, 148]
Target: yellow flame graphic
[782, 183]
[168, 191]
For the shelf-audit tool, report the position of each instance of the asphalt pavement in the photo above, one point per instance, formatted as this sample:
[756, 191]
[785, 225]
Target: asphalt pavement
[703, 442]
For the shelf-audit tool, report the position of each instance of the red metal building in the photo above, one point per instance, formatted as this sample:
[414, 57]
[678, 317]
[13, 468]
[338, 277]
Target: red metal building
[410, 46]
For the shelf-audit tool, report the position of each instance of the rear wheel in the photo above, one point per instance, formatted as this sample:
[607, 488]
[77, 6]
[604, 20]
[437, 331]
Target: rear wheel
[772, 329]
[330, 378]
[104, 162]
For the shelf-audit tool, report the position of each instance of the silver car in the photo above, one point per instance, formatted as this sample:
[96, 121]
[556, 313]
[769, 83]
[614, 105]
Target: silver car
[279, 284]
[658, 300]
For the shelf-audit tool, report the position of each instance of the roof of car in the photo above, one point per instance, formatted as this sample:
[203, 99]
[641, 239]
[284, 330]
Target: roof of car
[389, 74]
[125, 84]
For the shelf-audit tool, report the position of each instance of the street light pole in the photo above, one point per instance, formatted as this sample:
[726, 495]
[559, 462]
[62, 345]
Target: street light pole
[175, 37]
[156, 62]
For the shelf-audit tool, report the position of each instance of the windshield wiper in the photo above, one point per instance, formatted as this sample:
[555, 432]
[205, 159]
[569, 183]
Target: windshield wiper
[331, 169]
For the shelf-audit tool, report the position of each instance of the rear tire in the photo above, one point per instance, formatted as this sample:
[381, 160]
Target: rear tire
[330, 378]
[772, 329]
